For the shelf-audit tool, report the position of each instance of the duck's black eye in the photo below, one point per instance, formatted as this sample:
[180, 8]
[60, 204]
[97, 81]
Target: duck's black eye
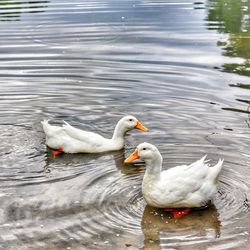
[130, 120]
[144, 149]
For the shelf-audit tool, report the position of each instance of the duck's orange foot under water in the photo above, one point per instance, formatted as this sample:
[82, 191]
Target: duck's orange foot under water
[178, 212]
[57, 152]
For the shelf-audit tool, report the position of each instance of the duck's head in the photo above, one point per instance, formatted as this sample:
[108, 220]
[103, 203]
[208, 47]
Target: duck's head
[144, 151]
[129, 122]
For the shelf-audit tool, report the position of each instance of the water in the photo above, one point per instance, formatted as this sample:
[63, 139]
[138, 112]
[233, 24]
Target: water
[180, 66]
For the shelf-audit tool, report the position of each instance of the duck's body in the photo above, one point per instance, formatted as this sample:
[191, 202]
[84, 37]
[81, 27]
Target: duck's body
[185, 186]
[182, 186]
[73, 140]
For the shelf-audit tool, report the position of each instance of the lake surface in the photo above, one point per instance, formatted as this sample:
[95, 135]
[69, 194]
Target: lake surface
[182, 67]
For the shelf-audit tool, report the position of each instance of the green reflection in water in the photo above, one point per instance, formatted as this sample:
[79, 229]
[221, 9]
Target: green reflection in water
[12, 10]
[232, 17]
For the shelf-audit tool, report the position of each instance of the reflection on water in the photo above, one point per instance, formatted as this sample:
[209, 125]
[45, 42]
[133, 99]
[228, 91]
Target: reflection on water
[246, 101]
[11, 10]
[233, 18]
[90, 63]
[160, 228]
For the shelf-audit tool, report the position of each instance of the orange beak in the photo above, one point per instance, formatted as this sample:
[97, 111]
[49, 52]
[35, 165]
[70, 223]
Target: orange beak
[141, 127]
[132, 157]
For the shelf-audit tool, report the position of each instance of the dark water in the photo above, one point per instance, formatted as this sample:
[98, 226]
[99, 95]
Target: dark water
[182, 67]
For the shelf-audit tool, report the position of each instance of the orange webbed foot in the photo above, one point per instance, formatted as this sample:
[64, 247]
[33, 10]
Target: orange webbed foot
[178, 212]
[57, 152]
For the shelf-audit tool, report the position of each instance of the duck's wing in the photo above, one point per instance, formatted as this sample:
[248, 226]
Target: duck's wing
[83, 136]
[183, 182]
[176, 187]
[196, 171]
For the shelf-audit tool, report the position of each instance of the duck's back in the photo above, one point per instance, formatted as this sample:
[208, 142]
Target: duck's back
[82, 135]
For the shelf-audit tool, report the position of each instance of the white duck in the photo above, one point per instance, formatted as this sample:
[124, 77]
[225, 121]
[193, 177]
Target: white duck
[182, 187]
[72, 140]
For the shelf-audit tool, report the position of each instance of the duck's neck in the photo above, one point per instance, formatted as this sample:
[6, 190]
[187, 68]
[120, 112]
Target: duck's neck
[154, 167]
[119, 133]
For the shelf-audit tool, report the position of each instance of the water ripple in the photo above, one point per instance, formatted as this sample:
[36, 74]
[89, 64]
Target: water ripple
[90, 63]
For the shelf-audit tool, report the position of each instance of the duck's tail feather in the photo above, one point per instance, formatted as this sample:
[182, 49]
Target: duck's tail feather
[45, 124]
[65, 124]
[203, 160]
[215, 170]
[49, 130]
[197, 164]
